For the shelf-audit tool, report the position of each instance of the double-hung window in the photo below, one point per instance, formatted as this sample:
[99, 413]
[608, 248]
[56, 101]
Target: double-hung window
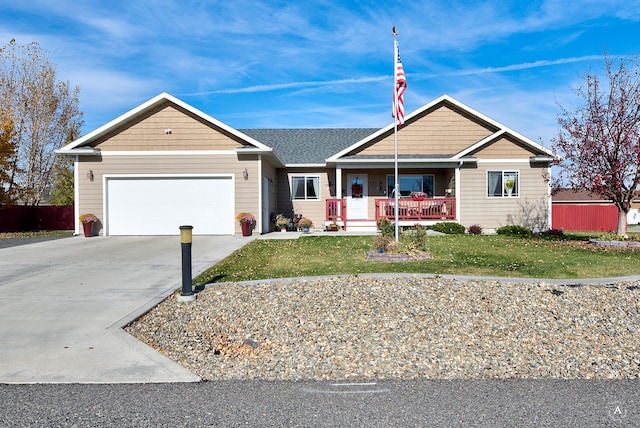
[305, 187]
[503, 184]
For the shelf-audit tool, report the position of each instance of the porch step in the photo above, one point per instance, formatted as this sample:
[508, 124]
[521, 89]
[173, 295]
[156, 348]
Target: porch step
[361, 226]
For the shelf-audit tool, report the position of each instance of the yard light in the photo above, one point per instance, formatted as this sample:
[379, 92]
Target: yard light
[187, 294]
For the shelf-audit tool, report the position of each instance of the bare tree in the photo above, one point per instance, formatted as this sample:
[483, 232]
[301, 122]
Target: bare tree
[599, 140]
[45, 110]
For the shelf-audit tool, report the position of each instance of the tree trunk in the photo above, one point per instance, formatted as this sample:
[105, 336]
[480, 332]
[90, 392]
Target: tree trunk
[622, 223]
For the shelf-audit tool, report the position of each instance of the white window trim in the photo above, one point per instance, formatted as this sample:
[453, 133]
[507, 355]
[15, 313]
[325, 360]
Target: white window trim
[503, 196]
[319, 195]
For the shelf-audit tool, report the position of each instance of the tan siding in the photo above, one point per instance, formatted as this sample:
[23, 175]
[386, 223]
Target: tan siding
[442, 131]
[91, 193]
[188, 132]
[477, 208]
[503, 149]
[314, 210]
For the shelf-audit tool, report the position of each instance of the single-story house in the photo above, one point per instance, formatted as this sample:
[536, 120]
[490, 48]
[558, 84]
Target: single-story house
[165, 164]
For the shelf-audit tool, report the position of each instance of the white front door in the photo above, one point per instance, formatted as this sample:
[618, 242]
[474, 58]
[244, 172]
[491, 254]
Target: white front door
[357, 189]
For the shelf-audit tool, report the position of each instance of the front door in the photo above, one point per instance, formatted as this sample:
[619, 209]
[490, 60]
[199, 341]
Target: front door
[357, 189]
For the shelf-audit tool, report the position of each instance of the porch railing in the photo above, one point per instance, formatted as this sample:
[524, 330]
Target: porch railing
[336, 211]
[410, 209]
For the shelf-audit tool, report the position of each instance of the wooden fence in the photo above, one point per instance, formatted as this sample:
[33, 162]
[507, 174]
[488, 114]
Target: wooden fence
[27, 218]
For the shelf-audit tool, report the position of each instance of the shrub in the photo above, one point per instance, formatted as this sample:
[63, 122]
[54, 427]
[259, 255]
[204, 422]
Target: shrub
[513, 230]
[380, 241]
[552, 232]
[449, 227]
[417, 237]
[386, 227]
[475, 229]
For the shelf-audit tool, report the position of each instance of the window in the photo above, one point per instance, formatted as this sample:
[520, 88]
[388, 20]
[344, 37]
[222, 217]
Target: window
[305, 187]
[411, 183]
[503, 184]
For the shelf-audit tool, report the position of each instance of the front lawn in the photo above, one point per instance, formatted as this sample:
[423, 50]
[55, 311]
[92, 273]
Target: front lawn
[474, 255]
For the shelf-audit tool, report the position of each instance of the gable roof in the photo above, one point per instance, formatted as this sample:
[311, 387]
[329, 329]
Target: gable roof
[500, 130]
[308, 146]
[79, 146]
[316, 146]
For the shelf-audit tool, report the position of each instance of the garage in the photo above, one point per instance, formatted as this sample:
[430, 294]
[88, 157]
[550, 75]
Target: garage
[159, 205]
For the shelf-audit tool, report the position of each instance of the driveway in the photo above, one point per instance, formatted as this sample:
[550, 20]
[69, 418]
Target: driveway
[63, 303]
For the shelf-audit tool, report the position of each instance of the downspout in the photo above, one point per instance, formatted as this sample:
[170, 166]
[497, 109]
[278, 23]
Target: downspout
[457, 190]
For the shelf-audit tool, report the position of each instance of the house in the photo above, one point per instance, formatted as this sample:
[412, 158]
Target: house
[165, 164]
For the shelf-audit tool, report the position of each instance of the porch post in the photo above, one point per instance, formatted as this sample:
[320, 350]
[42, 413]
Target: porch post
[457, 190]
[338, 183]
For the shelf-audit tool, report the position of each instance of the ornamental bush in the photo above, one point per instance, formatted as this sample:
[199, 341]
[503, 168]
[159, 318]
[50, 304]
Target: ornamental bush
[387, 227]
[449, 227]
[475, 229]
[513, 230]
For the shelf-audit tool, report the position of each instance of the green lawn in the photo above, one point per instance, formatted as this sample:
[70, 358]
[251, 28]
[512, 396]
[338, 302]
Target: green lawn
[566, 257]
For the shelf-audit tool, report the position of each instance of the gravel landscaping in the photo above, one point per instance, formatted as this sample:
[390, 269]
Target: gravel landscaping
[361, 328]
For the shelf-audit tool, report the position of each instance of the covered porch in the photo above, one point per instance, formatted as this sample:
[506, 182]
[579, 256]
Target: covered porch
[423, 211]
[427, 194]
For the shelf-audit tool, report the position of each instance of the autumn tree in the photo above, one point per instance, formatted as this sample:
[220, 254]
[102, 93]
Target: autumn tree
[62, 191]
[7, 158]
[599, 140]
[44, 109]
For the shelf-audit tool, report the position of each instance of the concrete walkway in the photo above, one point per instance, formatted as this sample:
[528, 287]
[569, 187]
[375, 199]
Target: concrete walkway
[63, 303]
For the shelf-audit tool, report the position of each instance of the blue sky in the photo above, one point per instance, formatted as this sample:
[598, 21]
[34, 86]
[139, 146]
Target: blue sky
[280, 64]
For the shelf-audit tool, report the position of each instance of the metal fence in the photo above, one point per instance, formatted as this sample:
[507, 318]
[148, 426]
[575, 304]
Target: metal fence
[596, 217]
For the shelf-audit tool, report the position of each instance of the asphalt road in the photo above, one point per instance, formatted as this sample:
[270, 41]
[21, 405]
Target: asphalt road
[511, 403]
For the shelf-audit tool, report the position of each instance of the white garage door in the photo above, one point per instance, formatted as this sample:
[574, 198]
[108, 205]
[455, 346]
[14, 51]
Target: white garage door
[160, 205]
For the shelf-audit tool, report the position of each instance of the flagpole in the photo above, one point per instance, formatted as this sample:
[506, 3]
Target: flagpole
[395, 133]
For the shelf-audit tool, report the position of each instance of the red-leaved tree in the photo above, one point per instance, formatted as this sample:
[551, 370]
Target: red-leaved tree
[599, 140]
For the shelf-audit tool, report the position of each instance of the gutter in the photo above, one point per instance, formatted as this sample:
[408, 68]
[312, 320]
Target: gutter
[82, 151]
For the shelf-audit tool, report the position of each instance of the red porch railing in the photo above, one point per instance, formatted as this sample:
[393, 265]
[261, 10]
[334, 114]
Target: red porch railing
[336, 210]
[410, 209]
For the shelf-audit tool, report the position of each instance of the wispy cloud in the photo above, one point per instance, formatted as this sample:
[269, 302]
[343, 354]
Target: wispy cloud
[298, 63]
[528, 65]
[291, 85]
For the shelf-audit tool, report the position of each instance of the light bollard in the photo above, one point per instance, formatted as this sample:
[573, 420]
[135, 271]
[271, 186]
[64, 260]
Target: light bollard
[187, 294]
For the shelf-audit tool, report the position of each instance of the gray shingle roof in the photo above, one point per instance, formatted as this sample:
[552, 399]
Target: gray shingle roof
[308, 145]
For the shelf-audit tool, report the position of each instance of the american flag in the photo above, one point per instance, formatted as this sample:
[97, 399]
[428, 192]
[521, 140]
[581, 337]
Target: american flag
[398, 95]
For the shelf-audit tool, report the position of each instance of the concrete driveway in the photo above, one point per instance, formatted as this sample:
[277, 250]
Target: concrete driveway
[63, 303]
